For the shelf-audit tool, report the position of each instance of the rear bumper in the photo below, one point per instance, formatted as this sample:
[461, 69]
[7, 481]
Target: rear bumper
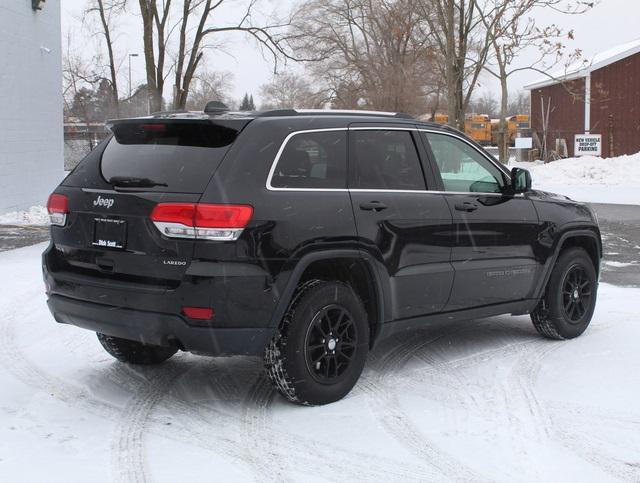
[158, 329]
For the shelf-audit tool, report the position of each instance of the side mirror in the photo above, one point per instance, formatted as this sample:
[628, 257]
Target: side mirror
[520, 180]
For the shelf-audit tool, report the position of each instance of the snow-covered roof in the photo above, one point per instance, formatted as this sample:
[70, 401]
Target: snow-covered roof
[581, 69]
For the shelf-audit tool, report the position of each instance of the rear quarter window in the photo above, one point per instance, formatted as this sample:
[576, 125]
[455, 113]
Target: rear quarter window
[312, 160]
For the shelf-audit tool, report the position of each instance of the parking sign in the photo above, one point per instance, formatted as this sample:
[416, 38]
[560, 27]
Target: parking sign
[588, 145]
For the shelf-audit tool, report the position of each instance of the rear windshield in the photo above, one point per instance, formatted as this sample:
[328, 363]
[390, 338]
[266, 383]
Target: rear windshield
[180, 155]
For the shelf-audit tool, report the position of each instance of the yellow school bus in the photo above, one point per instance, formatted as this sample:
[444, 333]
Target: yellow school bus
[478, 128]
[516, 123]
[441, 118]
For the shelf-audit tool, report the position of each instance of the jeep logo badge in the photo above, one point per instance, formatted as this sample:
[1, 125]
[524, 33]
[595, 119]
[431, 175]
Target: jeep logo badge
[106, 202]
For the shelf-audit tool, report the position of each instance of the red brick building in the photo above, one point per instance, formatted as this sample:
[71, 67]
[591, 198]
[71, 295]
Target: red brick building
[598, 97]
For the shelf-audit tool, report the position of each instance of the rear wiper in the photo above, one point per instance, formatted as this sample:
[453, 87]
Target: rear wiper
[130, 182]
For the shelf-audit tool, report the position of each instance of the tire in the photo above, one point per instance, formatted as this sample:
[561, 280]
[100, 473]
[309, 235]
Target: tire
[321, 348]
[564, 313]
[133, 352]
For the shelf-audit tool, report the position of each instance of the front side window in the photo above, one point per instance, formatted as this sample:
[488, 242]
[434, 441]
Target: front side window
[462, 168]
[313, 160]
[384, 160]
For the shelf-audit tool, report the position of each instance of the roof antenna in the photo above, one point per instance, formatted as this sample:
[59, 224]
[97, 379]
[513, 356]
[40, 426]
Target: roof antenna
[215, 107]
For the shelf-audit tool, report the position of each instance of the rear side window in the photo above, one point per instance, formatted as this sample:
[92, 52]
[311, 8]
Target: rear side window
[384, 160]
[313, 160]
[180, 155]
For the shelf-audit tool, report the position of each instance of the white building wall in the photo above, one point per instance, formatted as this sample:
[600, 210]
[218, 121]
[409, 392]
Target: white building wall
[31, 136]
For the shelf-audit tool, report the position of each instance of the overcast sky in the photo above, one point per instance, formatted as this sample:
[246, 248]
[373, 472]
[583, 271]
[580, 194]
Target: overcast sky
[611, 23]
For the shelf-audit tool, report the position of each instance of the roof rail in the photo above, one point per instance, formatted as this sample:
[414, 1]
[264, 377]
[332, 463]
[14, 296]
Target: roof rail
[332, 112]
[278, 112]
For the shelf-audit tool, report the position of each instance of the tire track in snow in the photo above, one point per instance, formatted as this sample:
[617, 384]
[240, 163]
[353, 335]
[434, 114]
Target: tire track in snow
[519, 391]
[14, 361]
[258, 441]
[553, 424]
[581, 442]
[214, 426]
[128, 455]
[442, 372]
[19, 365]
[270, 452]
[557, 426]
[385, 405]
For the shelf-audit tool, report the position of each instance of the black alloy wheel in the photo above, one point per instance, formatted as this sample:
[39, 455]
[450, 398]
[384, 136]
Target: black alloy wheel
[576, 294]
[330, 343]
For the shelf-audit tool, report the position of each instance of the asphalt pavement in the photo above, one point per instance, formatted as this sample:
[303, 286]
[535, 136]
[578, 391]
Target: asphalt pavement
[620, 226]
[18, 236]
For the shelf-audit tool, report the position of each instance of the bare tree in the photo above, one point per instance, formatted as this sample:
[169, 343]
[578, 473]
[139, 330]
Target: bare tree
[192, 19]
[154, 70]
[520, 103]
[369, 53]
[287, 90]
[485, 104]
[207, 86]
[107, 10]
[462, 42]
[436, 98]
[269, 36]
[510, 30]
[87, 93]
[84, 95]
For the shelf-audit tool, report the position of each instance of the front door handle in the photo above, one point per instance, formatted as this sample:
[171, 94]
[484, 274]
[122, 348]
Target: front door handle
[373, 206]
[467, 206]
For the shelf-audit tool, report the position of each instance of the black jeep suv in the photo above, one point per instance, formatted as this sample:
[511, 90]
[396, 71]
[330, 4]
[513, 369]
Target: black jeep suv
[306, 237]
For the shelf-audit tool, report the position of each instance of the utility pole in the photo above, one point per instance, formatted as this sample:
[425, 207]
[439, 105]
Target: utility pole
[130, 55]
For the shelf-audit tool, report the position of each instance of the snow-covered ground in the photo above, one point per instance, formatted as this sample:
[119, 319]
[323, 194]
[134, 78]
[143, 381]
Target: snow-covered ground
[483, 401]
[597, 180]
[36, 215]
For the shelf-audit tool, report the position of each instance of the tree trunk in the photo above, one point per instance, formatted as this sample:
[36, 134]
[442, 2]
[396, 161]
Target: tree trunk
[155, 97]
[451, 64]
[503, 136]
[186, 81]
[459, 96]
[112, 64]
[162, 48]
[178, 89]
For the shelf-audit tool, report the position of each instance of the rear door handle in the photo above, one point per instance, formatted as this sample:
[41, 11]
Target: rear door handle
[467, 206]
[373, 206]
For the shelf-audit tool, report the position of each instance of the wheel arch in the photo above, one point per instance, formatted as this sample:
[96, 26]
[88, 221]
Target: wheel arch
[588, 239]
[351, 266]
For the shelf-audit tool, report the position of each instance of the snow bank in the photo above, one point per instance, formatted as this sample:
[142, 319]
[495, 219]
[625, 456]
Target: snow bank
[591, 179]
[36, 215]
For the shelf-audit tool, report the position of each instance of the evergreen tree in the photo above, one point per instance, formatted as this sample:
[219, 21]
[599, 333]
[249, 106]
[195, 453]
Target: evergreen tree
[252, 106]
[245, 106]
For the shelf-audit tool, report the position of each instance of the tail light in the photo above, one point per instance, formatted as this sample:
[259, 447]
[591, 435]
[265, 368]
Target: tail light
[201, 221]
[199, 313]
[58, 208]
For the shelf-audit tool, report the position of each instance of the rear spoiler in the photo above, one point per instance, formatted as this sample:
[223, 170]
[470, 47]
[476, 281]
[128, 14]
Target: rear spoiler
[237, 124]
